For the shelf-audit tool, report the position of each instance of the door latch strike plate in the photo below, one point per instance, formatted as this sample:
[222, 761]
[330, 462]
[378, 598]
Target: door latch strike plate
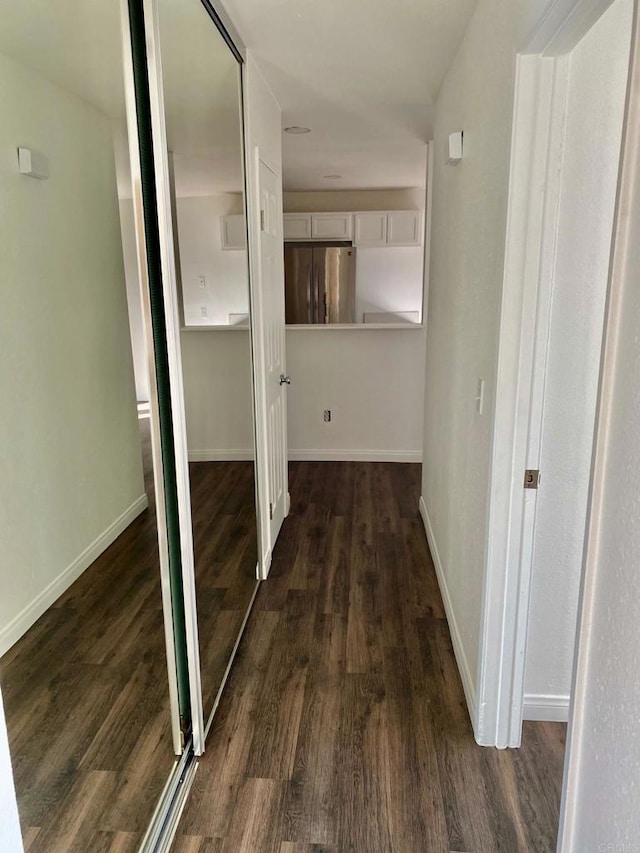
[270, 512]
[531, 478]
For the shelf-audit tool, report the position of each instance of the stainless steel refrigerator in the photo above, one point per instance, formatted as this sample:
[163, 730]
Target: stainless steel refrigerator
[320, 283]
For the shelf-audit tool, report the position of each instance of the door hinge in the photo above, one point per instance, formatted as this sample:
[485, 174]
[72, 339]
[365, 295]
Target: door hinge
[531, 478]
[262, 221]
[270, 512]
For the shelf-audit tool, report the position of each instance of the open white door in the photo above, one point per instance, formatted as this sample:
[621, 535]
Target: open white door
[275, 379]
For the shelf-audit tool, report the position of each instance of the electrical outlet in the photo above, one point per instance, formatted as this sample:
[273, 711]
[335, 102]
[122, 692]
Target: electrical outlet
[202, 282]
[327, 416]
[204, 311]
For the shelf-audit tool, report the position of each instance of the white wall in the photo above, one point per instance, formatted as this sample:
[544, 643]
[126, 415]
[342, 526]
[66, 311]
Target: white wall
[347, 200]
[467, 259]
[217, 393]
[201, 254]
[10, 836]
[372, 380]
[71, 462]
[389, 280]
[134, 301]
[593, 131]
[600, 806]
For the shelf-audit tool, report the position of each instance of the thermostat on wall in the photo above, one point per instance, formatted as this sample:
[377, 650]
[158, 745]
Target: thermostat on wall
[33, 164]
[454, 148]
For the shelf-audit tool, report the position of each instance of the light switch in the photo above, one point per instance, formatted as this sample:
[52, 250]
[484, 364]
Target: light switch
[480, 396]
[454, 148]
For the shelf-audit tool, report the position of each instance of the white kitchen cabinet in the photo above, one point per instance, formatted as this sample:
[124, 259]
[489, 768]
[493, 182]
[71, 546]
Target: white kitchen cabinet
[370, 228]
[404, 228]
[331, 226]
[297, 226]
[234, 232]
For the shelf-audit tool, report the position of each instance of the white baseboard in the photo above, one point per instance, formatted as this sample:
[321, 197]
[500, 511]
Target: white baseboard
[221, 455]
[33, 611]
[546, 707]
[456, 637]
[355, 456]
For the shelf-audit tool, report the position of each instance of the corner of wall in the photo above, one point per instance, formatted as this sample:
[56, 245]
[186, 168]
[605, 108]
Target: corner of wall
[456, 637]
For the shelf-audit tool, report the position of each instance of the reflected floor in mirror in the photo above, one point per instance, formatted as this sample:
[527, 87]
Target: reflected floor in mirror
[87, 702]
[225, 546]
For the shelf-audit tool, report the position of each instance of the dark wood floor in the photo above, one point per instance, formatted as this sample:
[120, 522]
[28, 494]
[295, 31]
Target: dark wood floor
[226, 553]
[85, 690]
[343, 726]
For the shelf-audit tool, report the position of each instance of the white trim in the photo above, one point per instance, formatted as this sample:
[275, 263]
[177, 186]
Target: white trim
[353, 327]
[245, 455]
[622, 274]
[538, 127]
[310, 455]
[562, 26]
[52, 592]
[153, 405]
[546, 707]
[456, 637]
[174, 352]
[428, 230]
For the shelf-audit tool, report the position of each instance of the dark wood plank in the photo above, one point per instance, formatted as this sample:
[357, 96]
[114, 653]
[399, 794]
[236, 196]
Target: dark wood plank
[85, 690]
[344, 725]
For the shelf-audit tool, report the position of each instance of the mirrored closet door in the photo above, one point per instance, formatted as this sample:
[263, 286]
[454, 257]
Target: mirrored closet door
[92, 626]
[197, 132]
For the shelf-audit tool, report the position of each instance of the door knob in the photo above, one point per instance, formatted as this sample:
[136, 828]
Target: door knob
[285, 380]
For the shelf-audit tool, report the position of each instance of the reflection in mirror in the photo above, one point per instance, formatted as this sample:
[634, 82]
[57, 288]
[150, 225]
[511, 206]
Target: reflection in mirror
[204, 137]
[83, 665]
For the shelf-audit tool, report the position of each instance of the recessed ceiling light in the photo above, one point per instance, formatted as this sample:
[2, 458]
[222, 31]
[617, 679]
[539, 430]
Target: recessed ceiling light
[333, 177]
[294, 128]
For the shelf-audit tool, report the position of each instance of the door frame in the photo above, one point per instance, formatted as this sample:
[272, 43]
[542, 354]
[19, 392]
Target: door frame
[161, 157]
[252, 184]
[532, 216]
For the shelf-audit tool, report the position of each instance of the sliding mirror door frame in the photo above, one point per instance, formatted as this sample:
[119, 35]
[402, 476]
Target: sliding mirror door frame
[156, 136]
[171, 345]
[178, 702]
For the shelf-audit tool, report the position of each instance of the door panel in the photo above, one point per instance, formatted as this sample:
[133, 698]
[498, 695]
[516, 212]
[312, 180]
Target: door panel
[272, 279]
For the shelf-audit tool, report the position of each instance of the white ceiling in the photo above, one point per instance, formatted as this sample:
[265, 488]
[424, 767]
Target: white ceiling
[363, 74]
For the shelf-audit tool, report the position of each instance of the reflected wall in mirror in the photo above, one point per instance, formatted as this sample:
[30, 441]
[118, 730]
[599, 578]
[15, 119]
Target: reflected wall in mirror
[83, 668]
[203, 114]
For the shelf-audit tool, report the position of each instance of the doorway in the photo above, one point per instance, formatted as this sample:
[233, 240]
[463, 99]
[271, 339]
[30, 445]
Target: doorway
[569, 110]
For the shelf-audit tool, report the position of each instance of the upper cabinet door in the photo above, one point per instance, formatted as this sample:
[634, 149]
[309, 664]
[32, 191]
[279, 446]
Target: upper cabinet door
[370, 229]
[234, 231]
[331, 226]
[404, 228]
[297, 226]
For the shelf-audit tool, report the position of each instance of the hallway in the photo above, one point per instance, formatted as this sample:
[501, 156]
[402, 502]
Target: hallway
[343, 726]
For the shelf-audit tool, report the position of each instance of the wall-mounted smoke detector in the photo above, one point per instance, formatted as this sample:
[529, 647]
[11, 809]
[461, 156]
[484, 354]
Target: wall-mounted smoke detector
[296, 129]
[454, 148]
[33, 164]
